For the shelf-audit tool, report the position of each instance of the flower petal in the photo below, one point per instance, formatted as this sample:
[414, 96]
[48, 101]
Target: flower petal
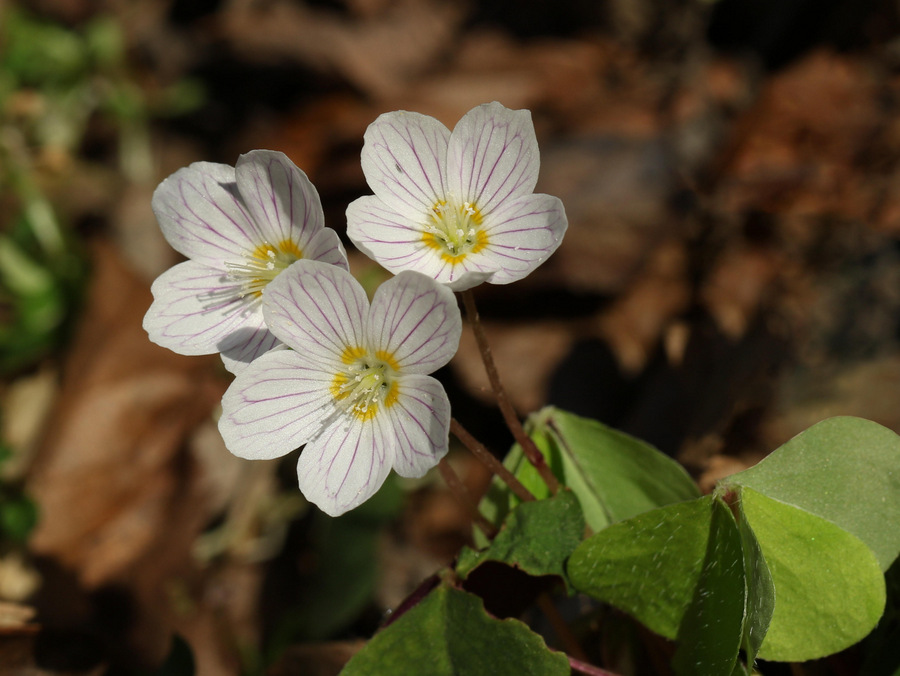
[346, 464]
[398, 244]
[420, 419]
[275, 405]
[522, 234]
[404, 159]
[201, 214]
[279, 197]
[325, 246]
[493, 157]
[196, 309]
[317, 309]
[246, 344]
[416, 320]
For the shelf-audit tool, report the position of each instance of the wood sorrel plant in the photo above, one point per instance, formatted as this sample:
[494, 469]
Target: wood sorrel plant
[783, 561]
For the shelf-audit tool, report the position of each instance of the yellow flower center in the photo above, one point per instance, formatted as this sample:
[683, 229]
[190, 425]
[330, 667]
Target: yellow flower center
[367, 382]
[263, 265]
[454, 230]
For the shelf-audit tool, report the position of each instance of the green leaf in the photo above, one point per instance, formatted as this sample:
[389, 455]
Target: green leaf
[845, 470]
[760, 589]
[649, 565]
[711, 632]
[614, 475]
[829, 589]
[450, 632]
[537, 537]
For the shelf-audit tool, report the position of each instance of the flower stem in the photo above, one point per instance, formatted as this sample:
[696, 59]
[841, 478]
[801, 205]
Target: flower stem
[535, 457]
[589, 669]
[488, 459]
[462, 494]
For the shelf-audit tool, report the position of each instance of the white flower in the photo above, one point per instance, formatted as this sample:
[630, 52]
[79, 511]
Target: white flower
[240, 227]
[354, 387]
[458, 206]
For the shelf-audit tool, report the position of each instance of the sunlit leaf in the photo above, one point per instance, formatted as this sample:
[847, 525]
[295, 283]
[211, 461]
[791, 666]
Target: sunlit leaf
[829, 589]
[844, 469]
[649, 565]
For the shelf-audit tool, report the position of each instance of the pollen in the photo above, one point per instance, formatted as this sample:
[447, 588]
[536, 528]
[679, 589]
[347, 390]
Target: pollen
[367, 383]
[454, 231]
[262, 265]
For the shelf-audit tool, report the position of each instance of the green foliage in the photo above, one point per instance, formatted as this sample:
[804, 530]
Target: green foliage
[829, 589]
[711, 631]
[782, 582]
[614, 475]
[846, 470]
[649, 565]
[537, 537]
[450, 632]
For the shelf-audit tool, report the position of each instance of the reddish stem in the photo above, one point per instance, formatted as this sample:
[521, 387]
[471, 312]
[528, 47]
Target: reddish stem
[589, 669]
[486, 457]
[535, 457]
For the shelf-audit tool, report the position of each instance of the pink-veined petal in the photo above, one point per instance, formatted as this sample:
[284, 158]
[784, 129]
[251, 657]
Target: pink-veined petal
[420, 419]
[493, 157]
[201, 214]
[522, 235]
[245, 345]
[325, 246]
[398, 244]
[275, 405]
[317, 309]
[346, 464]
[197, 309]
[404, 158]
[279, 197]
[415, 320]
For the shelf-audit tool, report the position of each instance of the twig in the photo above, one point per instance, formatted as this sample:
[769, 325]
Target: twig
[560, 628]
[465, 499]
[535, 457]
[486, 457]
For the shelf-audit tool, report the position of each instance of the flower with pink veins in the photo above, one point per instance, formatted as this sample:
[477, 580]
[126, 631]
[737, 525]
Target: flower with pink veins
[354, 387]
[457, 206]
[240, 227]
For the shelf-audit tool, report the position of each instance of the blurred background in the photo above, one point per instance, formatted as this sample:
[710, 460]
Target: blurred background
[731, 275]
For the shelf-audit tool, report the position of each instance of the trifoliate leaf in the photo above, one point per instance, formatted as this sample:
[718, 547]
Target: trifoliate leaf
[712, 629]
[649, 565]
[829, 589]
[450, 634]
[614, 475]
[537, 537]
[846, 470]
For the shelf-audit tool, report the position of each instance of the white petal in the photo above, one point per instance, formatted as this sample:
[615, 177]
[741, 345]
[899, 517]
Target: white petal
[245, 345]
[346, 464]
[397, 244]
[420, 419]
[275, 405]
[201, 214]
[317, 309]
[522, 235]
[493, 157]
[325, 246]
[404, 159]
[197, 309]
[416, 320]
[280, 197]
